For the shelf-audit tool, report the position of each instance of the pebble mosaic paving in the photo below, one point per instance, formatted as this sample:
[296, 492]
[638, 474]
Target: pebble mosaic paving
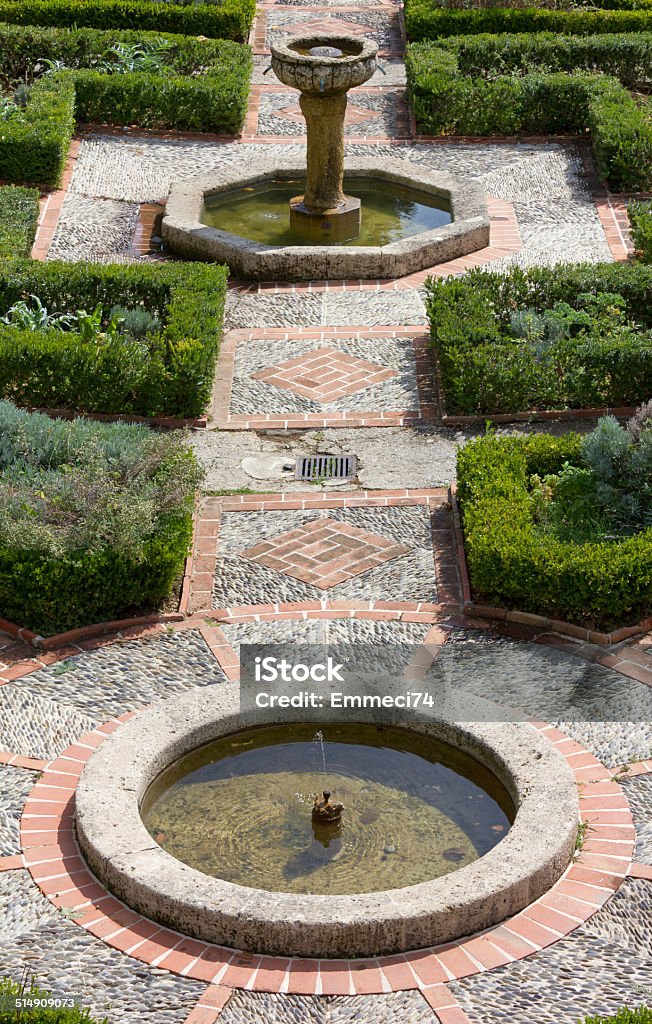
[15, 784]
[408, 576]
[381, 26]
[639, 794]
[263, 1008]
[607, 961]
[544, 182]
[43, 714]
[369, 114]
[343, 374]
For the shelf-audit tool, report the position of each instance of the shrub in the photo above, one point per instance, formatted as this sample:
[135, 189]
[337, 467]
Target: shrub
[449, 99]
[492, 360]
[34, 145]
[167, 372]
[205, 89]
[19, 209]
[424, 22]
[226, 19]
[514, 563]
[27, 989]
[95, 519]
[640, 218]
[641, 1015]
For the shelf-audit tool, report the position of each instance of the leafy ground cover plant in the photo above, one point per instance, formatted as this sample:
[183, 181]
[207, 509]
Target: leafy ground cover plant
[25, 1002]
[95, 518]
[546, 338]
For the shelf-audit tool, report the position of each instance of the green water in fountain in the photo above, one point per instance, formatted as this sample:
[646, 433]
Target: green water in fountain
[389, 211]
[240, 809]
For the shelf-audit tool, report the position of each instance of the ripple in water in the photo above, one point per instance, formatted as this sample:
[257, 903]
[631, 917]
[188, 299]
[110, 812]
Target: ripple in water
[240, 809]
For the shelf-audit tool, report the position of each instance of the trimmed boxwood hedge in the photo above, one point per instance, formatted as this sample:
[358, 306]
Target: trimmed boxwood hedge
[95, 519]
[483, 369]
[207, 91]
[512, 564]
[54, 369]
[226, 19]
[19, 208]
[423, 22]
[640, 218]
[449, 99]
[641, 1015]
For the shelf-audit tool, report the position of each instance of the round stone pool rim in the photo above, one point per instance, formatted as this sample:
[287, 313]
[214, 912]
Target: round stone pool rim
[120, 851]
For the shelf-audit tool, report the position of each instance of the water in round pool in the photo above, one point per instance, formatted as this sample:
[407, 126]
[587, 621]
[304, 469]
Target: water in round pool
[241, 809]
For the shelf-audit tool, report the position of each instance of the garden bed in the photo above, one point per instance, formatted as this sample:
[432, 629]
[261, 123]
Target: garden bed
[19, 209]
[51, 77]
[492, 85]
[567, 337]
[426, 21]
[95, 519]
[520, 555]
[146, 344]
[218, 19]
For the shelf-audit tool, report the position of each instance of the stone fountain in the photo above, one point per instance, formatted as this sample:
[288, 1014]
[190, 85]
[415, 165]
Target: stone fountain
[224, 215]
[324, 68]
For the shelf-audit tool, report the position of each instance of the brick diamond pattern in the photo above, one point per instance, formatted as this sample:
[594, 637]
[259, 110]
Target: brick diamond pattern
[324, 375]
[325, 552]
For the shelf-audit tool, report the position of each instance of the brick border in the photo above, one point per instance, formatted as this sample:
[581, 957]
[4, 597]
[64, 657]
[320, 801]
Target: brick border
[223, 419]
[52, 857]
[206, 547]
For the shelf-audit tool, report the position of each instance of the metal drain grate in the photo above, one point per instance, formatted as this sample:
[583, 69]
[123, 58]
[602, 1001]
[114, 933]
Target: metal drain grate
[325, 467]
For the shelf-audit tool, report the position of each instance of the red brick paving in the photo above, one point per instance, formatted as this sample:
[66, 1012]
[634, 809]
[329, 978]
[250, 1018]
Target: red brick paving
[325, 552]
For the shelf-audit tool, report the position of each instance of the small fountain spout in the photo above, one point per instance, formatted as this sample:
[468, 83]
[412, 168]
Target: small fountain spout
[326, 811]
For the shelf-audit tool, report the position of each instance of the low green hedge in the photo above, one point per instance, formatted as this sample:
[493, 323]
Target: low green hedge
[640, 218]
[95, 519]
[628, 57]
[55, 369]
[424, 22]
[484, 369]
[19, 208]
[513, 564]
[641, 1015]
[206, 90]
[35, 142]
[449, 100]
[226, 19]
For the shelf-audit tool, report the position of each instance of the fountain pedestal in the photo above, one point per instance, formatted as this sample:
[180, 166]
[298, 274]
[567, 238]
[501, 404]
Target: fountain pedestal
[324, 68]
[324, 212]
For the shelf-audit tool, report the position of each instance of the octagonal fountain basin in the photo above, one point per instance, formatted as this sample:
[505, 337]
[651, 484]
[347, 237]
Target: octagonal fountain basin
[414, 809]
[211, 827]
[412, 218]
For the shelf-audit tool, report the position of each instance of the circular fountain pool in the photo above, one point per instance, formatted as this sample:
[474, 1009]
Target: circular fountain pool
[240, 809]
[386, 913]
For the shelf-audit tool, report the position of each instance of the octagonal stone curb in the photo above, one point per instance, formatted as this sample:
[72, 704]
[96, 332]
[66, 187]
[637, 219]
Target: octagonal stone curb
[184, 233]
[517, 871]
